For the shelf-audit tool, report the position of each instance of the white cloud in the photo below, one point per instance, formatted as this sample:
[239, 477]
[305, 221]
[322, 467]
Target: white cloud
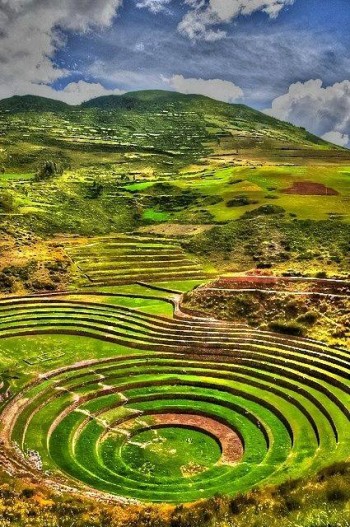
[215, 88]
[140, 47]
[337, 138]
[30, 34]
[201, 20]
[108, 72]
[75, 92]
[155, 6]
[325, 111]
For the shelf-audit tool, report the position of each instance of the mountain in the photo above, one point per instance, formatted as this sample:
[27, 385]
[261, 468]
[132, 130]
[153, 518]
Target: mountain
[138, 100]
[156, 131]
[206, 111]
[158, 100]
[32, 103]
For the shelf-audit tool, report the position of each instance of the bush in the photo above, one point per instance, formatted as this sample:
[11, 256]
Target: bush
[6, 283]
[308, 318]
[94, 190]
[264, 210]
[289, 328]
[241, 201]
[38, 285]
[211, 200]
[48, 170]
[235, 181]
[7, 201]
[337, 494]
[292, 504]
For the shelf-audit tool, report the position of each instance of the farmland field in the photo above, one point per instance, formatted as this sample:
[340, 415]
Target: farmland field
[174, 309]
[166, 409]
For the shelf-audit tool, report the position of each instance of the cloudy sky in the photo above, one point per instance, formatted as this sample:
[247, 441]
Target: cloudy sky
[289, 58]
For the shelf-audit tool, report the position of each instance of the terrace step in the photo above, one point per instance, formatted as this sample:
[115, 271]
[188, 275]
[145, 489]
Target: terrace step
[136, 264]
[290, 412]
[147, 267]
[155, 277]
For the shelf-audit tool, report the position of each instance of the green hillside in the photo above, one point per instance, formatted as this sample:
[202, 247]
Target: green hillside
[176, 129]
[32, 103]
[237, 116]
[174, 310]
[157, 158]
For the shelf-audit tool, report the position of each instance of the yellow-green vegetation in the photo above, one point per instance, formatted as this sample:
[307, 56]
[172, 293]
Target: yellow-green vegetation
[126, 373]
[155, 157]
[316, 308]
[316, 501]
[114, 418]
[127, 259]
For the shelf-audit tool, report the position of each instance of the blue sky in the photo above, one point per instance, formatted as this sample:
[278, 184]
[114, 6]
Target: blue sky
[280, 56]
[263, 56]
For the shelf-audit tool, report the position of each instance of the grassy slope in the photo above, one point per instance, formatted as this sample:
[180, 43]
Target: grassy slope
[213, 151]
[72, 347]
[319, 501]
[126, 123]
[202, 147]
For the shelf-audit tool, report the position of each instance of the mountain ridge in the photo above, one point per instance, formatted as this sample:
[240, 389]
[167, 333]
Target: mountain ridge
[147, 101]
[185, 127]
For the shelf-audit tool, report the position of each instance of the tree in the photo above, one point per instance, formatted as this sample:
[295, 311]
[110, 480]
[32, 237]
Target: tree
[48, 170]
[94, 190]
[7, 201]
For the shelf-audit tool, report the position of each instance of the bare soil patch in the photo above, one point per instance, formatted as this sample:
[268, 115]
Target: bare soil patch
[231, 445]
[175, 229]
[309, 188]
[280, 283]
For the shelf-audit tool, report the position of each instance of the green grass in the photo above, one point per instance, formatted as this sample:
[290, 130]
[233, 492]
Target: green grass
[285, 398]
[160, 158]
[128, 144]
[165, 452]
[128, 259]
[155, 216]
[13, 176]
[256, 184]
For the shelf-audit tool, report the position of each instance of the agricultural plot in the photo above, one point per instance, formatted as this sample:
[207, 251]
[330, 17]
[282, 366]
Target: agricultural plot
[113, 383]
[127, 259]
[317, 308]
[315, 192]
[196, 407]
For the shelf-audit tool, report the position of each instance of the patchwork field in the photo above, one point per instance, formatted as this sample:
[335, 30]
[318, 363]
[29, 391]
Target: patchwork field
[174, 311]
[192, 407]
[128, 259]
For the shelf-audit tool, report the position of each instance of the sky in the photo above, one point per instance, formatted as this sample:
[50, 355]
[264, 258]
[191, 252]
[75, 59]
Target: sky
[288, 58]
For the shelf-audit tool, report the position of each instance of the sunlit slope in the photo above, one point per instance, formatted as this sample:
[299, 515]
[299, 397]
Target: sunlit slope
[166, 129]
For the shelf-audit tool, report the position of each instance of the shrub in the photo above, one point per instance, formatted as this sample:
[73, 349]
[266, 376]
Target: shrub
[308, 318]
[337, 494]
[241, 201]
[7, 201]
[94, 190]
[48, 170]
[235, 181]
[211, 200]
[27, 493]
[289, 328]
[6, 283]
[264, 265]
[292, 504]
[264, 210]
[38, 285]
